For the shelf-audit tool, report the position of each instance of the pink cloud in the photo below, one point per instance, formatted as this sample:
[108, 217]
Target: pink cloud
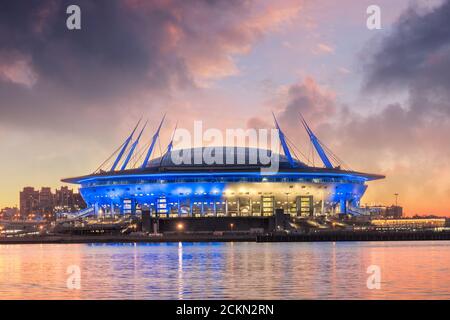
[322, 48]
[18, 69]
[307, 97]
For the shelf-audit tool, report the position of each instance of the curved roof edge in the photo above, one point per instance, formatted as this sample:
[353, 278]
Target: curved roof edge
[206, 170]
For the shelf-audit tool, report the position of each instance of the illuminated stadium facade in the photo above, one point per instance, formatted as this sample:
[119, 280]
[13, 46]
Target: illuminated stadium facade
[173, 190]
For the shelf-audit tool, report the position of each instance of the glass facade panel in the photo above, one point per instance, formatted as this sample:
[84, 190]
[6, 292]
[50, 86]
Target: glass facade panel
[256, 207]
[197, 208]
[305, 204]
[233, 207]
[185, 207]
[267, 205]
[208, 208]
[220, 208]
[244, 206]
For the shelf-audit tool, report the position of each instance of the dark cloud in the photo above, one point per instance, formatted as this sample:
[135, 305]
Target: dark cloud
[109, 52]
[52, 73]
[125, 50]
[415, 56]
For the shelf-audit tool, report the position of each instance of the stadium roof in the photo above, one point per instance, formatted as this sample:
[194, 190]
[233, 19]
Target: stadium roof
[166, 165]
[217, 160]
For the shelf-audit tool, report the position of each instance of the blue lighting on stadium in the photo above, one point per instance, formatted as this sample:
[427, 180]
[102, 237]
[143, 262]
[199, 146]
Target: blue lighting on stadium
[173, 190]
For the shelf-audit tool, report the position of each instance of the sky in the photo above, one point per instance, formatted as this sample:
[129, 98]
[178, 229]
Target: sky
[379, 99]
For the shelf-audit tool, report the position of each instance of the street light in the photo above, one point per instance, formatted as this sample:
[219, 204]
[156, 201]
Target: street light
[287, 202]
[396, 199]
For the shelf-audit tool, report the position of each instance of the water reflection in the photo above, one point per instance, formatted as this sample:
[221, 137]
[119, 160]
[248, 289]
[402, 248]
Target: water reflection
[180, 270]
[410, 270]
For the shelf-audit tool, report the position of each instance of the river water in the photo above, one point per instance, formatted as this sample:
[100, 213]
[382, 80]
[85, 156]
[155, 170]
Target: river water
[397, 270]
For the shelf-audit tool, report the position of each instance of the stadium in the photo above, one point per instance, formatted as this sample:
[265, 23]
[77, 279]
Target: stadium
[241, 189]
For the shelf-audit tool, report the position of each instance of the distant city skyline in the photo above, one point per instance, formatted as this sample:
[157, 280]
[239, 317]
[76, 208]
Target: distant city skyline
[42, 202]
[378, 98]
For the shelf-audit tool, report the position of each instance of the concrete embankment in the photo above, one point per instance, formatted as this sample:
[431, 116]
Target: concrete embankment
[230, 237]
[129, 238]
[356, 236]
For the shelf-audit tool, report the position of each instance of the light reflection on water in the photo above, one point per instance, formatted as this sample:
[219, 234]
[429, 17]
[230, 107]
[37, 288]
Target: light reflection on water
[409, 270]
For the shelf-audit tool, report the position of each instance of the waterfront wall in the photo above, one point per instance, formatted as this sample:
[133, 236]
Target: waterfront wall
[355, 236]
